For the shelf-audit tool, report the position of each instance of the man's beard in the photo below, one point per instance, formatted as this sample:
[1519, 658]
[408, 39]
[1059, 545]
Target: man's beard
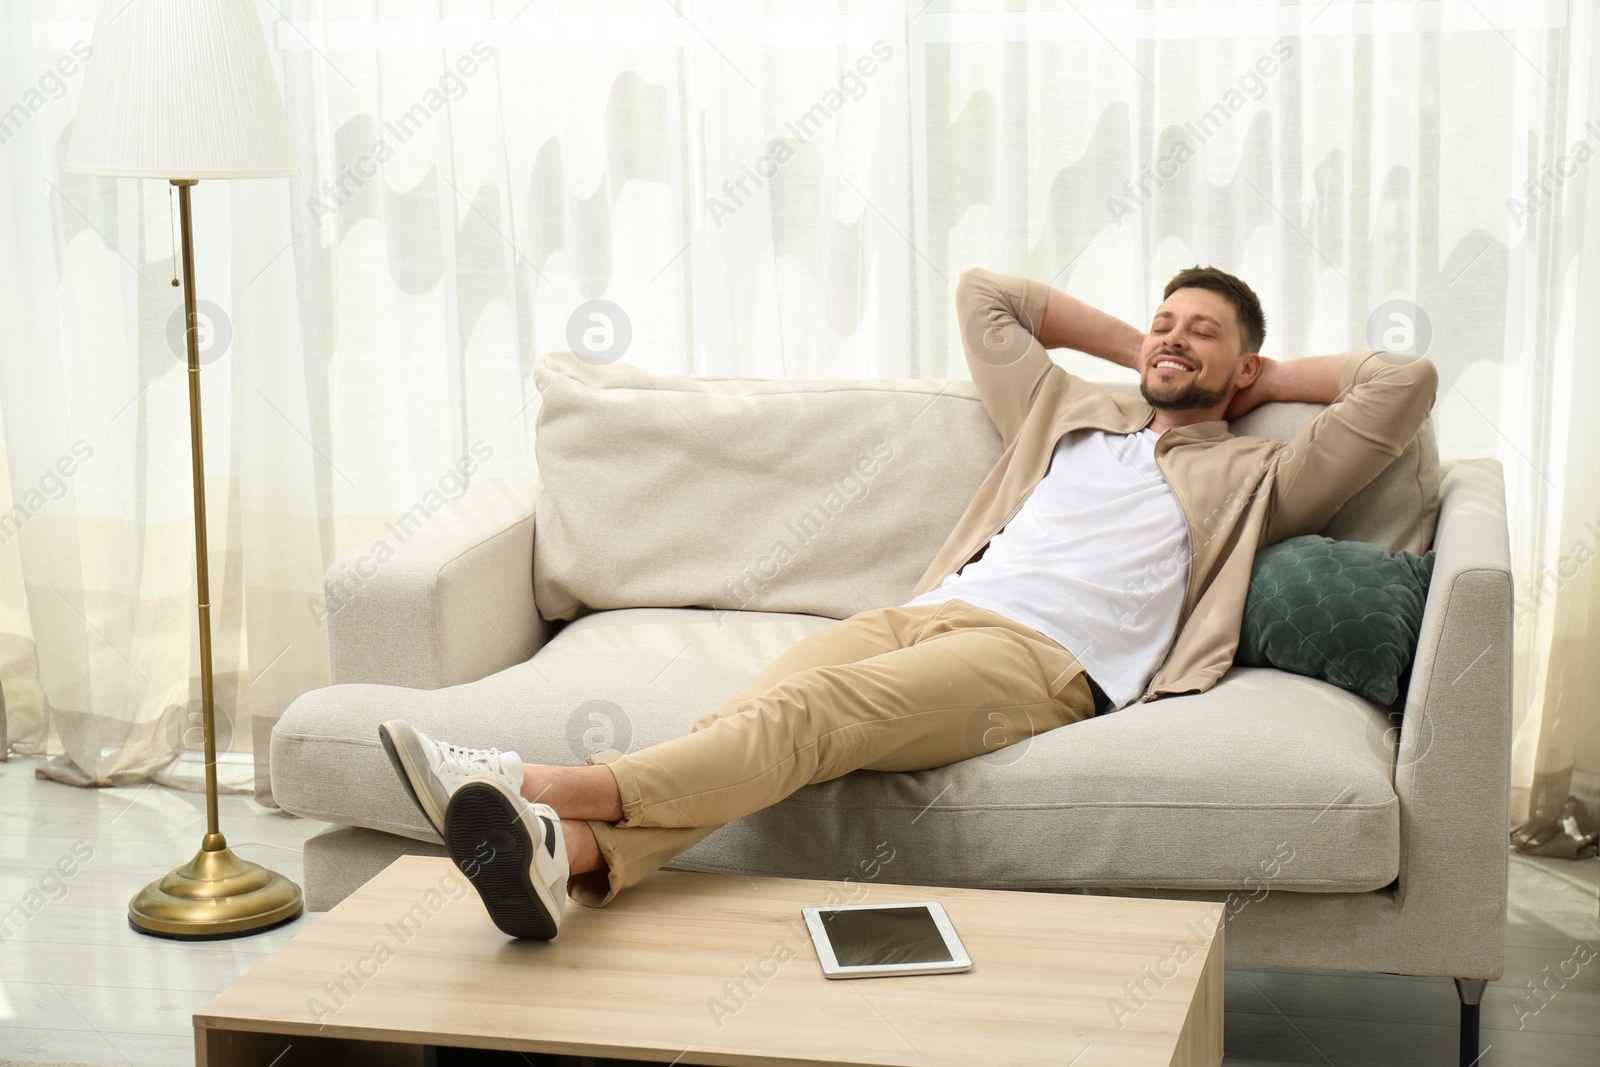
[1191, 397]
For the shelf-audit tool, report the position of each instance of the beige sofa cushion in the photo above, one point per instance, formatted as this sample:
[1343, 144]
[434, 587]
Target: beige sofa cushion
[821, 496]
[1193, 791]
[827, 497]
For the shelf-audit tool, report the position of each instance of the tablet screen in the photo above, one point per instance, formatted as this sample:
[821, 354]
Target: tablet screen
[869, 937]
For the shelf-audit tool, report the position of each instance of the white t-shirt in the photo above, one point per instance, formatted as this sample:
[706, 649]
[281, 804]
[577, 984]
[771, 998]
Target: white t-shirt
[1096, 559]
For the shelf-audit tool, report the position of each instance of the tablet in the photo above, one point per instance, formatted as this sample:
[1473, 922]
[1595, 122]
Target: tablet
[876, 940]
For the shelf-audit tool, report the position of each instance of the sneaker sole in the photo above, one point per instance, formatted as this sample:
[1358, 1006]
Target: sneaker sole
[480, 814]
[404, 763]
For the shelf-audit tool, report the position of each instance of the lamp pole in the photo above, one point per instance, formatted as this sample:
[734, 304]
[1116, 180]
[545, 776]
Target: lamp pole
[216, 894]
[191, 335]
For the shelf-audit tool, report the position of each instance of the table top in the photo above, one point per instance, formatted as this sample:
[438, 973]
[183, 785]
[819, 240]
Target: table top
[718, 969]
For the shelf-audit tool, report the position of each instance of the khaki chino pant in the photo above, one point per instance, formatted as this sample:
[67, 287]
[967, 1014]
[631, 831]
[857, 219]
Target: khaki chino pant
[892, 689]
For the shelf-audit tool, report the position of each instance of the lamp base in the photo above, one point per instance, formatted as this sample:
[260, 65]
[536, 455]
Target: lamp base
[215, 895]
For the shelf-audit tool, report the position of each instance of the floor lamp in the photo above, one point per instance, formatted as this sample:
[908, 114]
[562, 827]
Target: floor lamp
[183, 90]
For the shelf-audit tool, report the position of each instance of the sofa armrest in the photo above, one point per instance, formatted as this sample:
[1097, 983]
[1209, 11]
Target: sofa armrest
[441, 611]
[1453, 767]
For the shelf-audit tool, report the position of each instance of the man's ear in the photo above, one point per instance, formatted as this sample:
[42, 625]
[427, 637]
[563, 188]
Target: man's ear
[1250, 367]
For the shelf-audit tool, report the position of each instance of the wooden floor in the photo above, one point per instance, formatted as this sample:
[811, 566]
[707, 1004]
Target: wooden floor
[77, 984]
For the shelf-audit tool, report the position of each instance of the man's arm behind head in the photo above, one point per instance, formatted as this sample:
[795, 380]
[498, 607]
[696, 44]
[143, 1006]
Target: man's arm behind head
[1383, 400]
[1008, 322]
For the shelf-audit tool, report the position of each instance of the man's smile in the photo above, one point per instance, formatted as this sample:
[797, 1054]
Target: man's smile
[1172, 365]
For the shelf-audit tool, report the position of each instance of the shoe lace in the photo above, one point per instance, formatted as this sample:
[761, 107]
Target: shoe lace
[458, 759]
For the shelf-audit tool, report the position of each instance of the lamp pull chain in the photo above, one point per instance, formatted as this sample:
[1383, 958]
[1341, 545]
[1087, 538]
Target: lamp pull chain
[172, 228]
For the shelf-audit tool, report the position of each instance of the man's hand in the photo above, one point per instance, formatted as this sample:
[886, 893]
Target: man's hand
[1257, 392]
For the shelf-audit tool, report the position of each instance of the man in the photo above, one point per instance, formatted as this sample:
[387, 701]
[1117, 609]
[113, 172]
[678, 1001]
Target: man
[1104, 560]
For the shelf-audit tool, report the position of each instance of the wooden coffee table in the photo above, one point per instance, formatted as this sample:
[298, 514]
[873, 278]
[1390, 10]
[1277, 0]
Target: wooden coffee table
[718, 969]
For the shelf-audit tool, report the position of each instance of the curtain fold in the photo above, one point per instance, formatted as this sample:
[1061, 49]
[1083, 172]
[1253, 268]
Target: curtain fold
[773, 190]
[1557, 631]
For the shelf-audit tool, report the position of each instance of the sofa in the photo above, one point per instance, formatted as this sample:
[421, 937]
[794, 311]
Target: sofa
[686, 529]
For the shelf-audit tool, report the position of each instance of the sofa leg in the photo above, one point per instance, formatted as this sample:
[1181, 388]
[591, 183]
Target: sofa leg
[1470, 990]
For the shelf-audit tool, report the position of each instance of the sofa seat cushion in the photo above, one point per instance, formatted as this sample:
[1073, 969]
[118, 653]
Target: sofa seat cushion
[1266, 781]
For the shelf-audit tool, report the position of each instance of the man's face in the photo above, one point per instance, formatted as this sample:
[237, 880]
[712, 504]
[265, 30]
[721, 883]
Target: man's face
[1199, 329]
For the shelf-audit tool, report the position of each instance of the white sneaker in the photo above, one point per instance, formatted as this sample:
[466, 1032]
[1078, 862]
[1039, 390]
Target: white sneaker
[432, 770]
[514, 854]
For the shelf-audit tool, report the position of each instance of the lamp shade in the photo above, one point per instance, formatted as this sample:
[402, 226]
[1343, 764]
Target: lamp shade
[180, 89]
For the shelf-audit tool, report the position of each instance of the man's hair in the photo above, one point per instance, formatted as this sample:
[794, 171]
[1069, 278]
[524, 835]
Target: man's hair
[1247, 309]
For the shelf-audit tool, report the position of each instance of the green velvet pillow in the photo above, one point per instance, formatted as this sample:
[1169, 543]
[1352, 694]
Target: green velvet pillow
[1348, 612]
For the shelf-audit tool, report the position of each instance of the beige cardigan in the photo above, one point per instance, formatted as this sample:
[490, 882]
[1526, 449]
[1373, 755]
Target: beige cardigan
[1238, 494]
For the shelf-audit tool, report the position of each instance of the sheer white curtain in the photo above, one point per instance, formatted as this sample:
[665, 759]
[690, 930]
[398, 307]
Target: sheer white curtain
[1547, 402]
[772, 189]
